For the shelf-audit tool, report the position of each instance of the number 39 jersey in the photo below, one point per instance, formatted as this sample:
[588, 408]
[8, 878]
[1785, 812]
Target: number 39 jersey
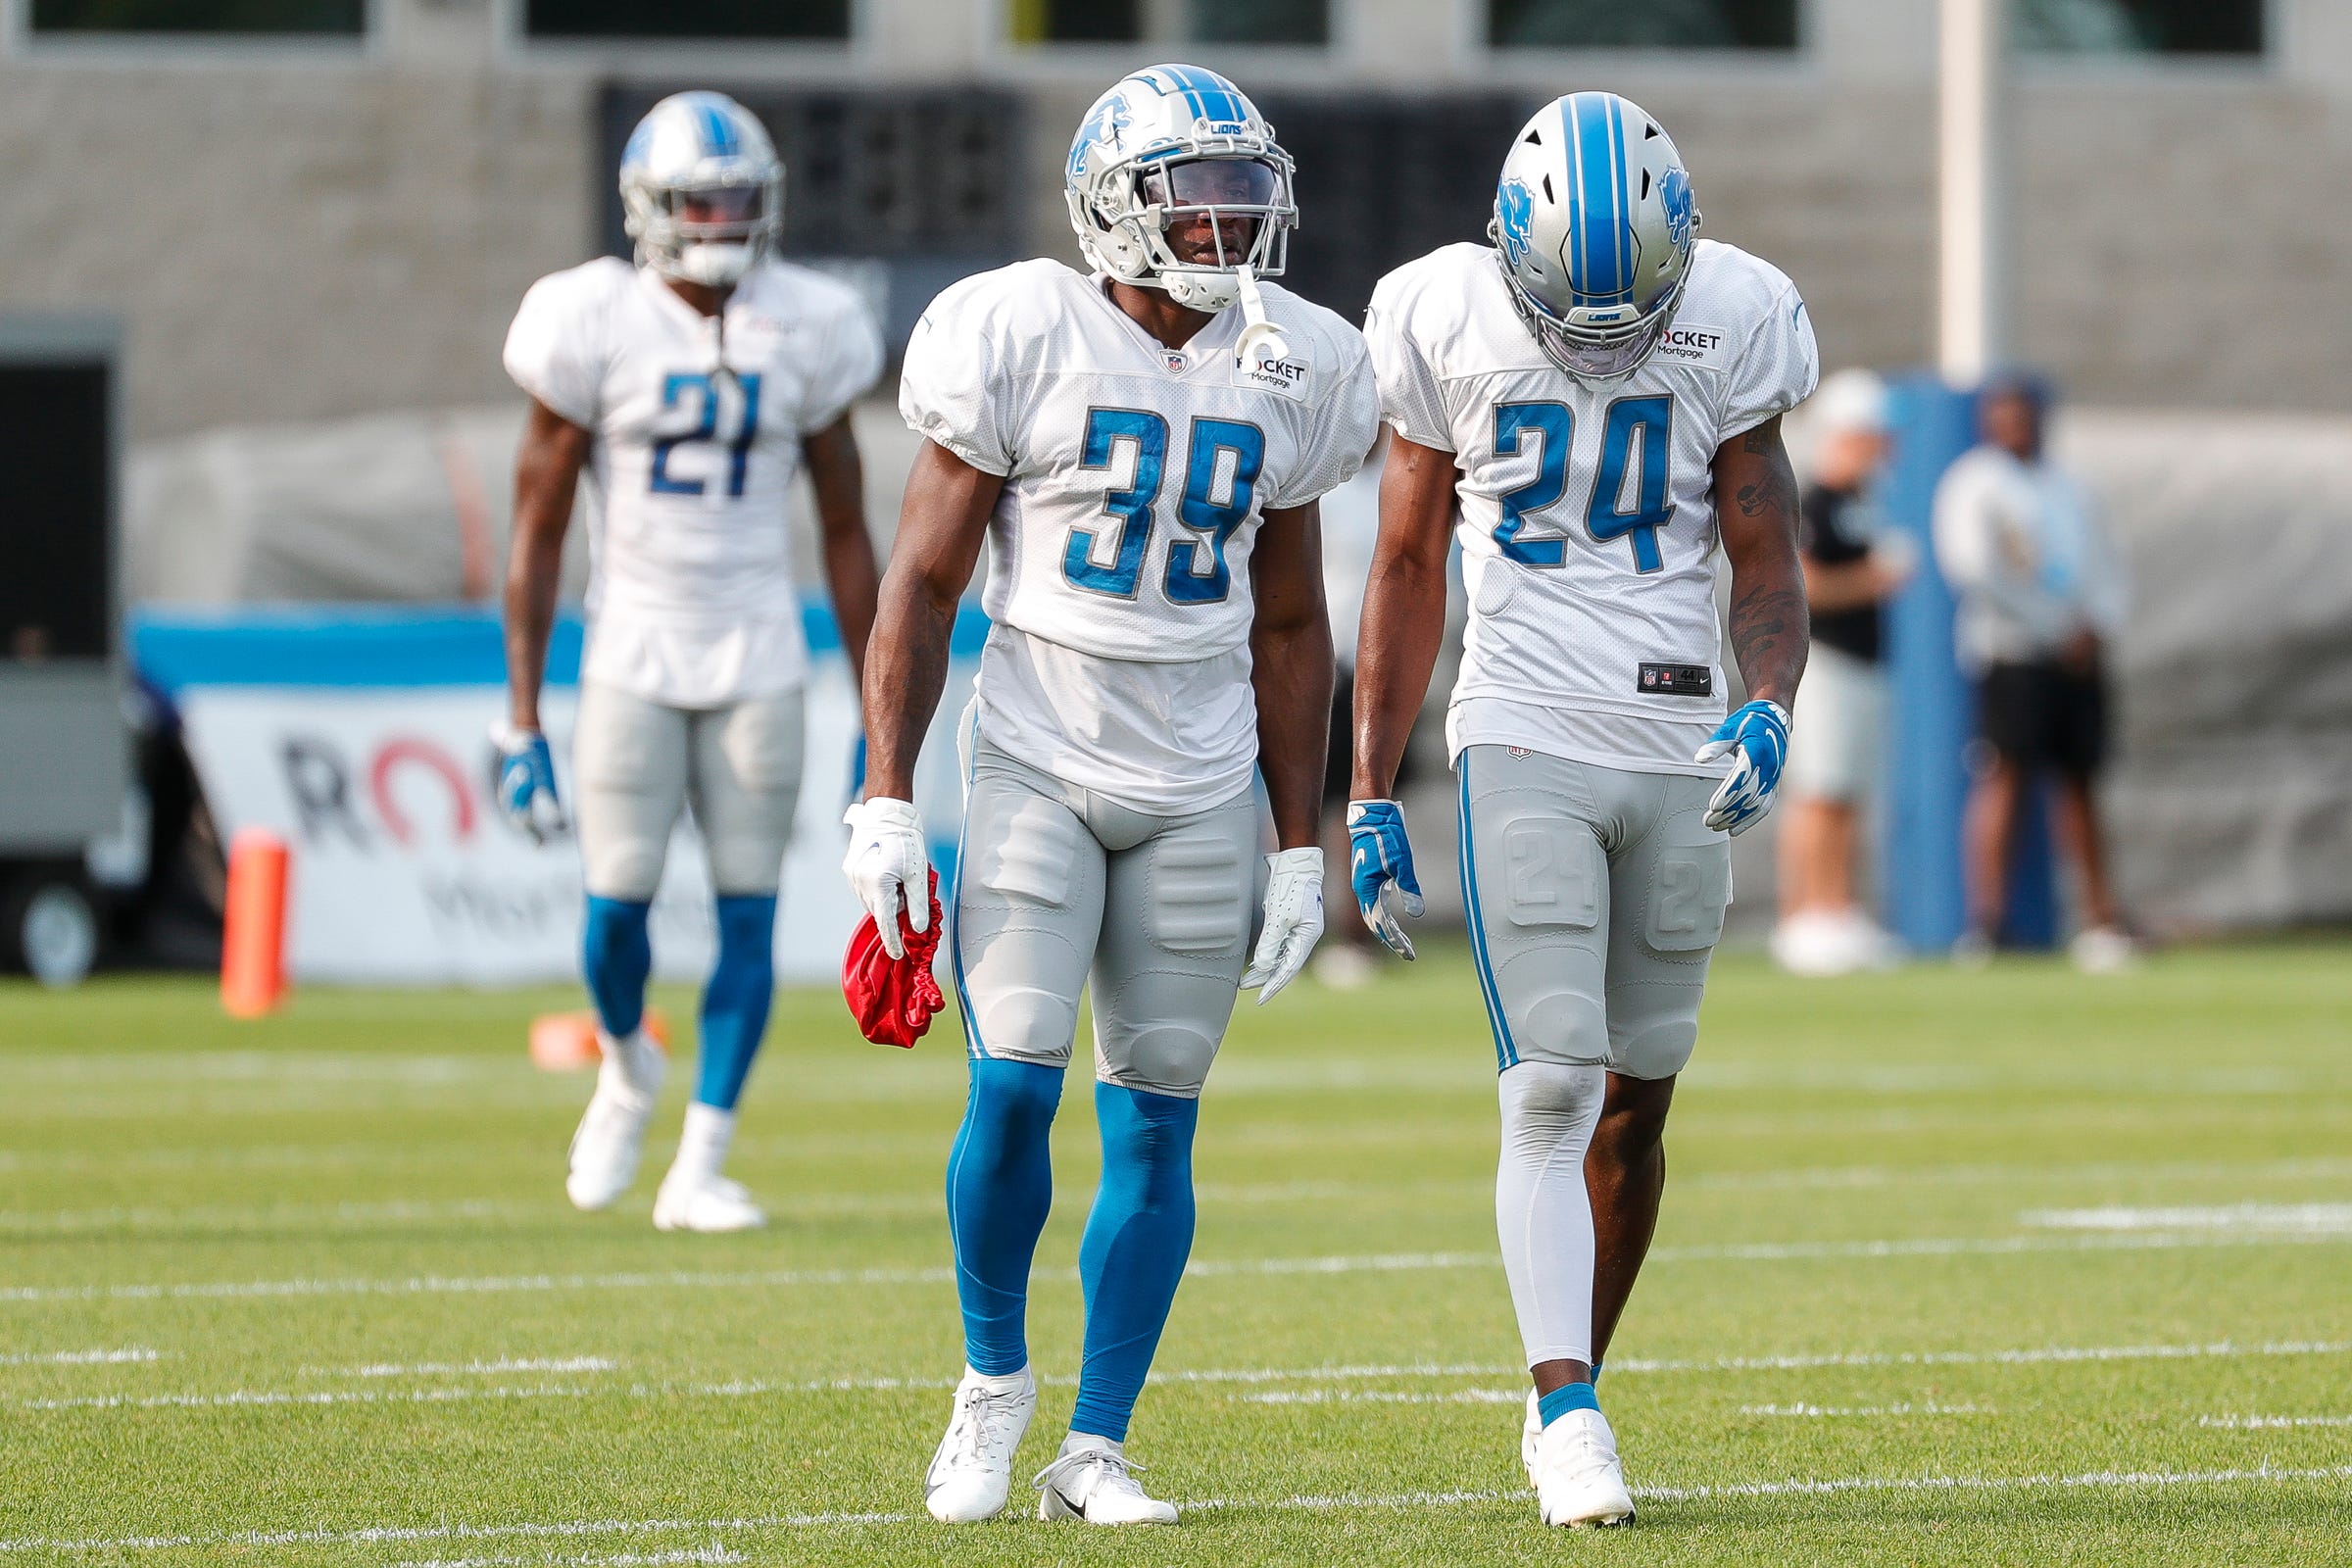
[691, 599]
[1588, 514]
[1135, 479]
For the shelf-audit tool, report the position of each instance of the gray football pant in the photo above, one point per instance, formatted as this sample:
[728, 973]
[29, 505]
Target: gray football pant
[637, 763]
[1596, 899]
[1055, 884]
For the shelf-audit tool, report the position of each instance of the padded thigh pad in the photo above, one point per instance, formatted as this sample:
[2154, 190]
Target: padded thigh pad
[1690, 888]
[1554, 871]
[1200, 892]
[1027, 853]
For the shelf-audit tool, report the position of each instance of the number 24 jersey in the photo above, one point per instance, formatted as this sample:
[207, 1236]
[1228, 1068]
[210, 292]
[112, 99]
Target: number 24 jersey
[1136, 476]
[1588, 516]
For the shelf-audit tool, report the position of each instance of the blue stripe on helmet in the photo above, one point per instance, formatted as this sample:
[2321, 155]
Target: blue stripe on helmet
[1210, 95]
[1598, 215]
[719, 133]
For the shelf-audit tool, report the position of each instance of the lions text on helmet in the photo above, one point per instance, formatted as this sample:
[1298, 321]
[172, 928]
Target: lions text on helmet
[1595, 223]
[701, 189]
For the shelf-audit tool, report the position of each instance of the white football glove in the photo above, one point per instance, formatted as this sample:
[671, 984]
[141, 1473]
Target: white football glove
[1293, 921]
[887, 867]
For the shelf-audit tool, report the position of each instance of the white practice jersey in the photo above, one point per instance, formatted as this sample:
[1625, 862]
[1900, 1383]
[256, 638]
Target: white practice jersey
[1136, 476]
[1587, 512]
[691, 598]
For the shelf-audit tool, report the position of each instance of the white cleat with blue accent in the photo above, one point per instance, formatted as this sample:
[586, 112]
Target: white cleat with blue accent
[972, 1474]
[1577, 1479]
[1092, 1481]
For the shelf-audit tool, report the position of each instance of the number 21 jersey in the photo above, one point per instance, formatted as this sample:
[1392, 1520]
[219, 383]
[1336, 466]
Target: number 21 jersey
[1587, 514]
[691, 599]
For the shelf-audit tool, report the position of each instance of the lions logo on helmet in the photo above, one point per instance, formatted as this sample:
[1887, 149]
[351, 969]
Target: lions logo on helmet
[1162, 150]
[701, 189]
[1595, 224]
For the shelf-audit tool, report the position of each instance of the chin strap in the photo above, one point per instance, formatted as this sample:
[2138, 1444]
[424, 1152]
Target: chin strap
[1261, 341]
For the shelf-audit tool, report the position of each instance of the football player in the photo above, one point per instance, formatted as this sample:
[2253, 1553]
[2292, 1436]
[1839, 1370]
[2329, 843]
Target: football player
[1141, 447]
[692, 387]
[1603, 391]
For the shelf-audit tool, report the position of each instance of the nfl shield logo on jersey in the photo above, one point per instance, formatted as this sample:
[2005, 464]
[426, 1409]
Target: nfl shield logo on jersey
[1175, 360]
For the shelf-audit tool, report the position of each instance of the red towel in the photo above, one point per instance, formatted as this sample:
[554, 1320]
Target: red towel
[893, 999]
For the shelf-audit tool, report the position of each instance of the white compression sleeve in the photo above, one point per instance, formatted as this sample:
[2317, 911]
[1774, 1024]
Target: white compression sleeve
[1541, 1210]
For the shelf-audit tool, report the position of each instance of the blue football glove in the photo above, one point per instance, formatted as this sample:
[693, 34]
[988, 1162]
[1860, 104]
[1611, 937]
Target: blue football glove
[1756, 735]
[526, 782]
[1380, 862]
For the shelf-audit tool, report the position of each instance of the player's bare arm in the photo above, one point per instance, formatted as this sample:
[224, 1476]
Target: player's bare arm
[941, 529]
[547, 475]
[837, 475]
[1290, 668]
[1756, 508]
[1404, 609]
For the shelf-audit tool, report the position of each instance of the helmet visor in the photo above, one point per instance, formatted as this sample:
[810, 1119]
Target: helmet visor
[717, 212]
[1213, 212]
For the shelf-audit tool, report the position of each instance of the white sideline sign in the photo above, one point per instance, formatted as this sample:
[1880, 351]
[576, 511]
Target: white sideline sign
[405, 873]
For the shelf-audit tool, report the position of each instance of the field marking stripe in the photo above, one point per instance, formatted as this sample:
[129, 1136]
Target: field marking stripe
[1794, 1488]
[1746, 1251]
[116, 1358]
[259, 1399]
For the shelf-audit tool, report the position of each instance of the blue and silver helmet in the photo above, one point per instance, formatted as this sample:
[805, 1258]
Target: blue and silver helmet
[701, 189]
[1595, 223]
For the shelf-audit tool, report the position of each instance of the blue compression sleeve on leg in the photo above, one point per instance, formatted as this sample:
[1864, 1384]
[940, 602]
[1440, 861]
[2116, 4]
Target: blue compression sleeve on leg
[736, 1000]
[616, 955]
[1133, 1254]
[1000, 1189]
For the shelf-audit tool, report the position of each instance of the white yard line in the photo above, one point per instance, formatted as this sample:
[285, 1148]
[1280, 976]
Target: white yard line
[443, 1369]
[2304, 1219]
[127, 1354]
[2032, 1356]
[1375, 1263]
[2099, 1479]
[715, 1553]
[2272, 1423]
[1864, 1411]
[259, 1216]
[1386, 1397]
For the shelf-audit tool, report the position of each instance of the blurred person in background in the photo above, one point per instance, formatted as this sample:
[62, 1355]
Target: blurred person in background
[693, 387]
[2041, 592]
[1852, 566]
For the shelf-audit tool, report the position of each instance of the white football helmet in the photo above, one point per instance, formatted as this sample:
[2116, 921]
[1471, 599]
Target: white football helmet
[1165, 146]
[702, 188]
[1595, 222]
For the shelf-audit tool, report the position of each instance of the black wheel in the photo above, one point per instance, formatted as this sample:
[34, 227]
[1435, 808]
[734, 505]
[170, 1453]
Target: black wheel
[49, 925]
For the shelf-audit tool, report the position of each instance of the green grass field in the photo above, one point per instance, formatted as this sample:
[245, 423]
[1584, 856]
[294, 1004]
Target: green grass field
[2018, 1268]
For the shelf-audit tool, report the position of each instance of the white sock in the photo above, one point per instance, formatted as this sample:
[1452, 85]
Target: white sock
[1542, 1211]
[994, 1384]
[636, 1061]
[703, 1143]
[1079, 1441]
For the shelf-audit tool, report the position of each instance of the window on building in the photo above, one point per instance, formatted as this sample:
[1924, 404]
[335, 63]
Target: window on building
[2139, 27]
[1306, 21]
[687, 19]
[1642, 24]
[233, 17]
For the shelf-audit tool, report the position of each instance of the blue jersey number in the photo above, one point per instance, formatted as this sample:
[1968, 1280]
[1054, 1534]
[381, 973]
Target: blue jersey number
[674, 387]
[1213, 443]
[1648, 422]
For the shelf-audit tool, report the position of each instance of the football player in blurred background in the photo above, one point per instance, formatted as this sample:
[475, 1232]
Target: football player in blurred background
[1142, 448]
[1603, 391]
[693, 387]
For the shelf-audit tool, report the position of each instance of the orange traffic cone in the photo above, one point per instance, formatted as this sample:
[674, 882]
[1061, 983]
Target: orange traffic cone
[253, 937]
[565, 1042]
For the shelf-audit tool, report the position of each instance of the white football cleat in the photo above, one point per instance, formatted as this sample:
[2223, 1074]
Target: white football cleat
[1577, 1479]
[972, 1474]
[1090, 1481]
[691, 1202]
[610, 1140]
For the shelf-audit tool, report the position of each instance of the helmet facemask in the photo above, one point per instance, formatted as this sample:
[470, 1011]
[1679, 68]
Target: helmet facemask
[1190, 223]
[705, 233]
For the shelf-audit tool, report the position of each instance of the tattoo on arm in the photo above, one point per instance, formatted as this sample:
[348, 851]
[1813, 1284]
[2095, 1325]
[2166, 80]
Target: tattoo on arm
[1769, 626]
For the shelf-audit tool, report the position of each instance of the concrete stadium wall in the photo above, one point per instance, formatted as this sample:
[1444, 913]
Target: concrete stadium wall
[296, 234]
